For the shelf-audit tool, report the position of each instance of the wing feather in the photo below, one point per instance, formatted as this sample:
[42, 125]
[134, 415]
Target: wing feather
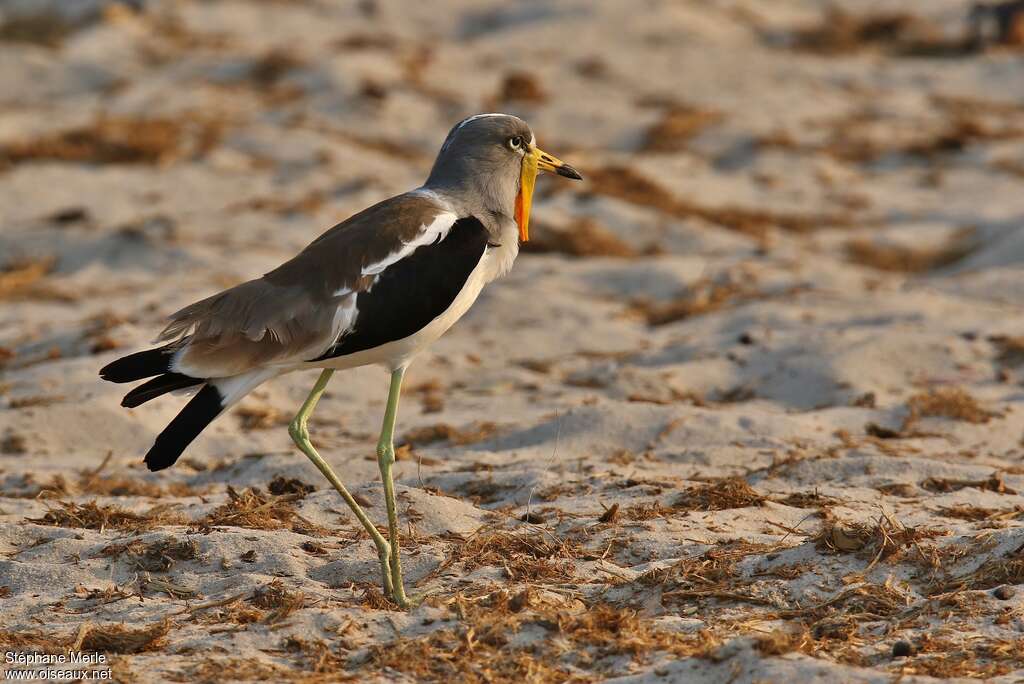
[301, 308]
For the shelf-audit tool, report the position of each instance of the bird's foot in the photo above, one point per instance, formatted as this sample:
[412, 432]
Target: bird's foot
[408, 602]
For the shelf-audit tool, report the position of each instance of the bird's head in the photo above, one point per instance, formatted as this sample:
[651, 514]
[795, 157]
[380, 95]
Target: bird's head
[493, 160]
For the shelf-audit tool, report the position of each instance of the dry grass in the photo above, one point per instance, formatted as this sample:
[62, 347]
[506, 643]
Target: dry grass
[48, 29]
[704, 296]
[522, 87]
[629, 186]
[281, 485]
[260, 417]
[524, 556]
[807, 500]
[713, 573]
[900, 33]
[646, 511]
[990, 574]
[21, 278]
[906, 259]
[730, 492]
[993, 483]
[230, 669]
[480, 646]
[255, 510]
[317, 656]
[677, 126]
[981, 513]
[948, 657]
[883, 540]
[443, 432]
[946, 402]
[121, 639]
[120, 140]
[157, 556]
[1010, 349]
[584, 237]
[431, 393]
[94, 482]
[278, 601]
[93, 516]
[866, 136]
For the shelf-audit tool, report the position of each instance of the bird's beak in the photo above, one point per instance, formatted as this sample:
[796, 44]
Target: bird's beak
[533, 161]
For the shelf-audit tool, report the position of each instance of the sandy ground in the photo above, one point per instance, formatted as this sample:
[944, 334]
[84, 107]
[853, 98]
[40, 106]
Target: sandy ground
[750, 409]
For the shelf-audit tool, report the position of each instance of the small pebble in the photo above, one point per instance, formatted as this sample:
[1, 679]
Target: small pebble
[249, 556]
[1004, 593]
[746, 339]
[902, 649]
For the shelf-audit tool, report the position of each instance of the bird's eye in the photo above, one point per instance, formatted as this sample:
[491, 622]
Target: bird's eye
[515, 142]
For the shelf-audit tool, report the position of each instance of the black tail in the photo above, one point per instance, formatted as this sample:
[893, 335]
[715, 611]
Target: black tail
[143, 364]
[160, 385]
[186, 426]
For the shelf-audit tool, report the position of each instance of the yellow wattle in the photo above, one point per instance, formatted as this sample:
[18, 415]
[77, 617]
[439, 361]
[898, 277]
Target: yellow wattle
[527, 180]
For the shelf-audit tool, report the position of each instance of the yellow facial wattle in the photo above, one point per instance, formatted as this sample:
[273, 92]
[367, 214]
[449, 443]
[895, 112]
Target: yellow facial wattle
[527, 180]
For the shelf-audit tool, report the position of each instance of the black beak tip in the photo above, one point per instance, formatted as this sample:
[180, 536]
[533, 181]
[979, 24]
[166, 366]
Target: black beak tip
[568, 172]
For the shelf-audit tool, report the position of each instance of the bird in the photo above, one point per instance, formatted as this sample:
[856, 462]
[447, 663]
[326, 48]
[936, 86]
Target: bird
[376, 289]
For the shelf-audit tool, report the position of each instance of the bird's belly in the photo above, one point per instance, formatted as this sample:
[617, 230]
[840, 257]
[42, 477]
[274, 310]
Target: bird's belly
[399, 353]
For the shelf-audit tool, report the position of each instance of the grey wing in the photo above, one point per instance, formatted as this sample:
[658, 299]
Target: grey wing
[299, 309]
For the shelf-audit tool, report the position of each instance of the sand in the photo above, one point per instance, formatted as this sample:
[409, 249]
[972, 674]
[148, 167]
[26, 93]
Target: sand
[749, 409]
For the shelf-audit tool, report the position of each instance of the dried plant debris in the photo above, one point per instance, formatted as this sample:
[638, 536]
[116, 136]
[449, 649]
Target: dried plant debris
[443, 432]
[116, 638]
[281, 485]
[20, 278]
[479, 647]
[520, 86]
[1010, 349]
[524, 556]
[899, 33]
[93, 516]
[714, 573]
[704, 296]
[947, 402]
[996, 23]
[945, 654]
[276, 599]
[908, 259]
[866, 136]
[318, 656]
[676, 127]
[120, 140]
[980, 513]
[255, 510]
[883, 540]
[813, 499]
[45, 28]
[584, 237]
[260, 417]
[991, 573]
[730, 492]
[93, 481]
[156, 556]
[627, 185]
[993, 483]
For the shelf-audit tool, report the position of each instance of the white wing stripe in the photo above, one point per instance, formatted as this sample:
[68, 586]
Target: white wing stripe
[435, 231]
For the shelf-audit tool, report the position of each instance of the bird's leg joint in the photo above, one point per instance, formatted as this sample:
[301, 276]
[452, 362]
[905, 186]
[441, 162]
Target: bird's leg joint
[385, 453]
[298, 430]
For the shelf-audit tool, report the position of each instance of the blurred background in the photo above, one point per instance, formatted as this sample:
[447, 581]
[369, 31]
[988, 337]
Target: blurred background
[802, 203]
[786, 297]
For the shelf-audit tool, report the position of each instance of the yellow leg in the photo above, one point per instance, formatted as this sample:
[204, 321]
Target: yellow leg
[385, 459]
[300, 435]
